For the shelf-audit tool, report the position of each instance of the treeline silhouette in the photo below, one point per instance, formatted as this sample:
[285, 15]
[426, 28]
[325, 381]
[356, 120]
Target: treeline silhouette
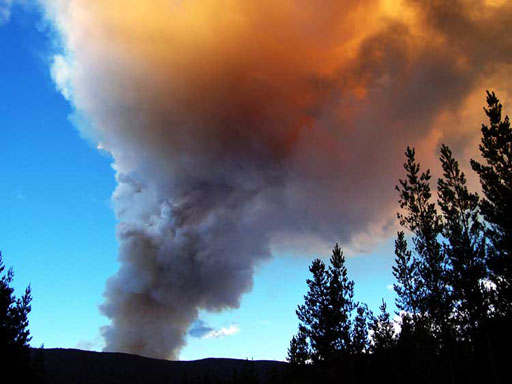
[17, 361]
[453, 284]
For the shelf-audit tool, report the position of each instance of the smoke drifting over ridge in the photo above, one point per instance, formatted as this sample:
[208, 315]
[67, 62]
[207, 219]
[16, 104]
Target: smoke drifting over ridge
[232, 123]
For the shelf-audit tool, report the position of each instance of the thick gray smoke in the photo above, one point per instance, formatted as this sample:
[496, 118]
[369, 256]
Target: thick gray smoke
[235, 123]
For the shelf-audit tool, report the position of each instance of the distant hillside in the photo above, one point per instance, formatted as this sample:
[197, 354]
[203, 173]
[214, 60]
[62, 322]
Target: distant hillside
[66, 366]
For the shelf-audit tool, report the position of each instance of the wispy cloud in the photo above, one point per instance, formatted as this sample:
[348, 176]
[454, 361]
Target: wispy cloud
[61, 74]
[201, 330]
[233, 329]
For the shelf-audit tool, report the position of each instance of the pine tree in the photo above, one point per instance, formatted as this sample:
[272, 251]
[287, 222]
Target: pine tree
[405, 272]
[464, 246]
[325, 317]
[298, 352]
[360, 340]
[383, 336]
[421, 218]
[496, 181]
[383, 356]
[14, 333]
[313, 314]
[341, 300]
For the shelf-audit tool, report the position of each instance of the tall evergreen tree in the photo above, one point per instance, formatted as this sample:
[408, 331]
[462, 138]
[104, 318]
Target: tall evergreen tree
[14, 333]
[326, 315]
[464, 246]
[341, 299]
[313, 314]
[405, 272]
[383, 356]
[360, 340]
[496, 181]
[383, 331]
[420, 217]
[299, 352]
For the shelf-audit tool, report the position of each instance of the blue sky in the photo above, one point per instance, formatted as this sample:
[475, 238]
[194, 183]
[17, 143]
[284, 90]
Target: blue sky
[58, 228]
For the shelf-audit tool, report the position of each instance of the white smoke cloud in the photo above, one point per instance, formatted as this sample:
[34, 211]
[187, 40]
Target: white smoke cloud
[201, 330]
[96, 344]
[229, 331]
[61, 75]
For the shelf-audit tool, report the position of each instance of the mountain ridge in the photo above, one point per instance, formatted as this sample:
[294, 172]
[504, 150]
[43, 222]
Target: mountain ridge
[63, 365]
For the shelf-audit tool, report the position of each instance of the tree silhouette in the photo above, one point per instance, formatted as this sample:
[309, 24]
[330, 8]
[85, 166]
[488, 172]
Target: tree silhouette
[313, 313]
[298, 352]
[325, 330]
[405, 272]
[496, 181]
[14, 333]
[341, 304]
[464, 247]
[383, 336]
[426, 266]
[360, 340]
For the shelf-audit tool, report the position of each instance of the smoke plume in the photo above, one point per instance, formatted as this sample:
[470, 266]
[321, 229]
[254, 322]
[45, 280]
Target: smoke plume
[236, 123]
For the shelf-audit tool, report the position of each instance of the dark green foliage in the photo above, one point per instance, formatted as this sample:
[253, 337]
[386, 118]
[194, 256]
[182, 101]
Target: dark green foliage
[14, 333]
[496, 180]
